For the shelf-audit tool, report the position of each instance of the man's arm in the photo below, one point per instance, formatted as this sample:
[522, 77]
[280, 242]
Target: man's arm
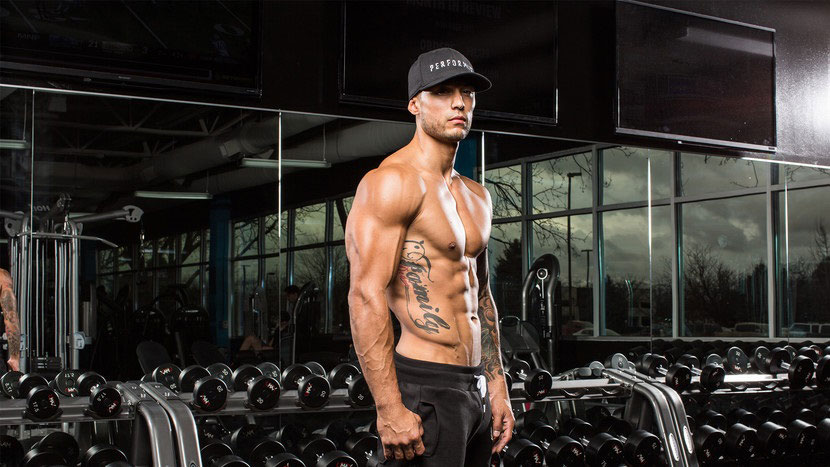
[9, 306]
[503, 419]
[386, 202]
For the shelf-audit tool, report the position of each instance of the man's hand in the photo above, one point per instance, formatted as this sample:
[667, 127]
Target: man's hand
[400, 432]
[14, 364]
[503, 420]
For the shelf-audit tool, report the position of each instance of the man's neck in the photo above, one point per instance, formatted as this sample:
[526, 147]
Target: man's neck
[434, 156]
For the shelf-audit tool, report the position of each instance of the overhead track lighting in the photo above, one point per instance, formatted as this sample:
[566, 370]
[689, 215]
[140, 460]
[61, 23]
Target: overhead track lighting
[172, 194]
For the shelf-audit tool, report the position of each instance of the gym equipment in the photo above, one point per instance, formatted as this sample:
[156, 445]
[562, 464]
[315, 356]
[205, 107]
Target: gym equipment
[313, 390]
[42, 403]
[677, 377]
[640, 447]
[535, 384]
[772, 437]
[600, 448]
[103, 455]
[362, 447]
[559, 450]
[347, 376]
[167, 375]
[709, 441]
[319, 451]
[104, 400]
[263, 391]
[520, 452]
[218, 454]
[66, 383]
[711, 376]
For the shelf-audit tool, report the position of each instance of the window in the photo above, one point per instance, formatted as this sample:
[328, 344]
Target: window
[625, 174]
[701, 174]
[562, 183]
[724, 267]
[505, 187]
[506, 271]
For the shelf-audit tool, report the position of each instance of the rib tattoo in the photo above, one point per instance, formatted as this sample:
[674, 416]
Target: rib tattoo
[413, 271]
[7, 304]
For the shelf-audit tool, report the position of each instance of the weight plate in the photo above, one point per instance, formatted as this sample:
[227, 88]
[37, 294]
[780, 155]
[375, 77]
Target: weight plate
[30, 381]
[759, 358]
[11, 451]
[270, 369]
[291, 375]
[518, 367]
[66, 382]
[642, 448]
[210, 393]
[105, 401]
[39, 458]
[313, 391]
[220, 370]
[10, 382]
[89, 381]
[284, 460]
[522, 452]
[168, 376]
[565, 451]
[538, 384]
[712, 378]
[714, 359]
[42, 403]
[263, 393]
[737, 360]
[316, 368]
[359, 393]
[243, 375]
[617, 362]
[336, 459]
[689, 360]
[340, 375]
[102, 455]
[189, 376]
[63, 444]
[791, 350]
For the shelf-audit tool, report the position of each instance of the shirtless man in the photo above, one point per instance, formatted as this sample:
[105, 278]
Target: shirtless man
[416, 238]
[8, 305]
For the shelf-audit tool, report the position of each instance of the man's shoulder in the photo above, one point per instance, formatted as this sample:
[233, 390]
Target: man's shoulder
[477, 188]
[5, 277]
[395, 176]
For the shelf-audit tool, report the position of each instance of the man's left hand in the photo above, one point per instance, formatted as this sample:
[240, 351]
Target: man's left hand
[14, 364]
[503, 420]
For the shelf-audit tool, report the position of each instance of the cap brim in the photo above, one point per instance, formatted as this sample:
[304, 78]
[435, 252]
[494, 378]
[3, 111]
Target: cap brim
[479, 82]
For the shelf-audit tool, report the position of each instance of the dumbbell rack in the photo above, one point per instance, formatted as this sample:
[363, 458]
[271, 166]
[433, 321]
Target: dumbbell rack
[152, 439]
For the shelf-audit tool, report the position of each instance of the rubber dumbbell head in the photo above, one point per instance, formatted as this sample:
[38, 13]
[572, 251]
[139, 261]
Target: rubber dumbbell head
[66, 382]
[210, 393]
[798, 371]
[677, 377]
[102, 455]
[222, 371]
[189, 376]
[520, 452]
[347, 376]
[167, 375]
[711, 376]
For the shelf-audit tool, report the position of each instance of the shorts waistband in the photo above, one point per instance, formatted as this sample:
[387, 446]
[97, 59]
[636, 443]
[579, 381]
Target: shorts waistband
[436, 374]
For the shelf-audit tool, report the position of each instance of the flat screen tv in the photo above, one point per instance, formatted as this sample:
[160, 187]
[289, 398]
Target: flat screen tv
[207, 44]
[694, 78]
[512, 43]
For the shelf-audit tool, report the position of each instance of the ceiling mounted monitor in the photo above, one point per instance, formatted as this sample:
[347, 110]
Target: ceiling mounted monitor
[205, 45]
[693, 78]
[511, 43]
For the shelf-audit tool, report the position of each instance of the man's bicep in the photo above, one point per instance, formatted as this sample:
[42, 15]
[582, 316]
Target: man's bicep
[374, 250]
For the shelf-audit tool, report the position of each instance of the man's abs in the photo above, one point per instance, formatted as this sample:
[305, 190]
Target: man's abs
[434, 296]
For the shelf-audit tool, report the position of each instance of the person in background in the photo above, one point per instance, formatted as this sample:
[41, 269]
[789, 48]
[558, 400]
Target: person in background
[11, 320]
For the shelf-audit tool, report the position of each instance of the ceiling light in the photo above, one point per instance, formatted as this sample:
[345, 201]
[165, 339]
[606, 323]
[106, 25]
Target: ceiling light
[312, 164]
[173, 195]
[254, 163]
[14, 144]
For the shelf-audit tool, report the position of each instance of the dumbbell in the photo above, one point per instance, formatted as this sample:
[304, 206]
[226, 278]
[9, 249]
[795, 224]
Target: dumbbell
[534, 384]
[66, 382]
[270, 369]
[677, 377]
[209, 392]
[347, 376]
[741, 440]
[362, 446]
[316, 368]
[313, 390]
[42, 402]
[167, 375]
[10, 384]
[778, 360]
[520, 452]
[772, 437]
[319, 451]
[104, 455]
[290, 435]
[104, 399]
[558, 450]
[709, 441]
[639, 446]
[735, 362]
[219, 454]
[211, 429]
[711, 376]
[822, 366]
[223, 372]
[56, 448]
[801, 431]
[338, 431]
[250, 443]
[601, 449]
[263, 391]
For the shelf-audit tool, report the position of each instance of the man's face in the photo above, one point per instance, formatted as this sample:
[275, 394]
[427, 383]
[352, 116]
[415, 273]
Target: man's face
[445, 111]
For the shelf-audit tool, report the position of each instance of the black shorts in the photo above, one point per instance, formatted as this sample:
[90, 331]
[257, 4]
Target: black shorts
[454, 407]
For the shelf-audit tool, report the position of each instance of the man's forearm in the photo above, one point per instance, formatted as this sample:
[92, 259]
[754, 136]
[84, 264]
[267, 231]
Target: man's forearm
[9, 307]
[490, 345]
[374, 342]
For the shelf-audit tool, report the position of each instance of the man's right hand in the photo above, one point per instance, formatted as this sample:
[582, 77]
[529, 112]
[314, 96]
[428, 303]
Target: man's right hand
[400, 432]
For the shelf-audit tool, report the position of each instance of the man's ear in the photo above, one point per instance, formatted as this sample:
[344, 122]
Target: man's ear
[414, 105]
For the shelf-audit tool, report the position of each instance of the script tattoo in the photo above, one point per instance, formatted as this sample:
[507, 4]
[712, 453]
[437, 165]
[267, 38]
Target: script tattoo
[490, 354]
[413, 271]
[7, 304]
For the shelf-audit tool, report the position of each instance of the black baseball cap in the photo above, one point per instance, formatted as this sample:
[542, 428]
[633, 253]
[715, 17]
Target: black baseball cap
[439, 65]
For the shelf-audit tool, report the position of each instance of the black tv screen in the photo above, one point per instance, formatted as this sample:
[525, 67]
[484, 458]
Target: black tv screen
[694, 78]
[207, 44]
[512, 43]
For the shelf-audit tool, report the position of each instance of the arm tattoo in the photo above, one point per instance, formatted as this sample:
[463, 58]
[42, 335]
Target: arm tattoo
[413, 272]
[7, 304]
[490, 354]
